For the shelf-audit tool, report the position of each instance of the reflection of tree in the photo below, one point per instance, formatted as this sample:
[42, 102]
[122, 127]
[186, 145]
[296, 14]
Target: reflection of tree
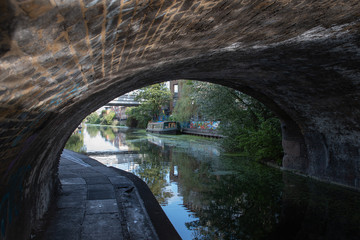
[76, 143]
[154, 174]
[133, 139]
[108, 133]
[153, 169]
[241, 206]
[92, 130]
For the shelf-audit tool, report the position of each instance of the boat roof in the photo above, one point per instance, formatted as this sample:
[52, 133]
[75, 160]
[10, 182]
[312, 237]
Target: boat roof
[162, 121]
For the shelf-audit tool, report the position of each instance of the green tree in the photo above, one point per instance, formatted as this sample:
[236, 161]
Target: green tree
[152, 98]
[93, 118]
[107, 118]
[137, 117]
[264, 142]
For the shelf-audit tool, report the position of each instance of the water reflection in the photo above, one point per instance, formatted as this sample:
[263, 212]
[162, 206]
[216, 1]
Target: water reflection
[209, 195]
[76, 142]
[98, 139]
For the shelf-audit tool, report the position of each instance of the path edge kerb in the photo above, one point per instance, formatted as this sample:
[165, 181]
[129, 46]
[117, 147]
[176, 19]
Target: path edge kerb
[163, 227]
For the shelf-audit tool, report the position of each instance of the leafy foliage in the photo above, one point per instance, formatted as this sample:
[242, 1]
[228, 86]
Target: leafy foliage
[152, 98]
[264, 143]
[93, 118]
[137, 117]
[249, 126]
[105, 118]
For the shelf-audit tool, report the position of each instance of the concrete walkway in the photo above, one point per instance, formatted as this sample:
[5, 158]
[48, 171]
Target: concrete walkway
[98, 202]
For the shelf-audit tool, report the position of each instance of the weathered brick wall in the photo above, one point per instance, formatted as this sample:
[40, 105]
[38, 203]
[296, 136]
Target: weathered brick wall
[62, 59]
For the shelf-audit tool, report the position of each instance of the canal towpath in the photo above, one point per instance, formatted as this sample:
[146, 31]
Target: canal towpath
[99, 202]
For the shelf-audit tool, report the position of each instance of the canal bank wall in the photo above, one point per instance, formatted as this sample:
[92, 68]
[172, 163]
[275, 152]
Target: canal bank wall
[202, 132]
[99, 202]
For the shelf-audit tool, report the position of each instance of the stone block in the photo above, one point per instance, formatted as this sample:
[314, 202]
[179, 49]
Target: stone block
[101, 206]
[96, 180]
[100, 191]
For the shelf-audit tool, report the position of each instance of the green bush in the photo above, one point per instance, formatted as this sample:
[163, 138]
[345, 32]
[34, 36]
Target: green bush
[108, 118]
[137, 117]
[93, 118]
[263, 143]
[104, 118]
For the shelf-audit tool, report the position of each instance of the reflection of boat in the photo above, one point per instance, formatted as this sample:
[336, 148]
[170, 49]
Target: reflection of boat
[163, 127]
[156, 140]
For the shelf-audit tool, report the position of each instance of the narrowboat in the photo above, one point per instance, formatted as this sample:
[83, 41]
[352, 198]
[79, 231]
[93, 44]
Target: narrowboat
[163, 127]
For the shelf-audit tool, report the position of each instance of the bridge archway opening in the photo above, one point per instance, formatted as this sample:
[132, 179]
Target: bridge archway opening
[292, 140]
[289, 128]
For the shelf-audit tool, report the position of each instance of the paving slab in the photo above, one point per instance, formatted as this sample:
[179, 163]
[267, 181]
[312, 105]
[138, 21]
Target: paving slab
[101, 206]
[87, 174]
[100, 191]
[74, 189]
[96, 180]
[71, 202]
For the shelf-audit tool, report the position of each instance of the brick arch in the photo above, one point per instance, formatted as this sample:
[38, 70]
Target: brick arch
[61, 59]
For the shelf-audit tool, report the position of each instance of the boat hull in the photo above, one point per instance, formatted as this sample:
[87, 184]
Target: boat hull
[164, 131]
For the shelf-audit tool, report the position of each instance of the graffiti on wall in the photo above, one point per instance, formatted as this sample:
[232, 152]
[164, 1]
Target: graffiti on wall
[209, 125]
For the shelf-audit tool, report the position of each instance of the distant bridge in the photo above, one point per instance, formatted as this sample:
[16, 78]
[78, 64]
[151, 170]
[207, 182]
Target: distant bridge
[127, 100]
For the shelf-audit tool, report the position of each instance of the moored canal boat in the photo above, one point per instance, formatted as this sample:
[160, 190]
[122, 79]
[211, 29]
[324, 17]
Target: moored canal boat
[163, 127]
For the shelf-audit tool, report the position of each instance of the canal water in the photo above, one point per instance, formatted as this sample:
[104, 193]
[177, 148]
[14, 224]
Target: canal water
[209, 194]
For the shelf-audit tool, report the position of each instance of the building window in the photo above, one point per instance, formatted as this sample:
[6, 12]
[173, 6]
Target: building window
[176, 88]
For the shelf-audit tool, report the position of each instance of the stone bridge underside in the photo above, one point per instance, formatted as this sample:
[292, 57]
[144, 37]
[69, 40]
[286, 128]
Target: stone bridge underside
[62, 59]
